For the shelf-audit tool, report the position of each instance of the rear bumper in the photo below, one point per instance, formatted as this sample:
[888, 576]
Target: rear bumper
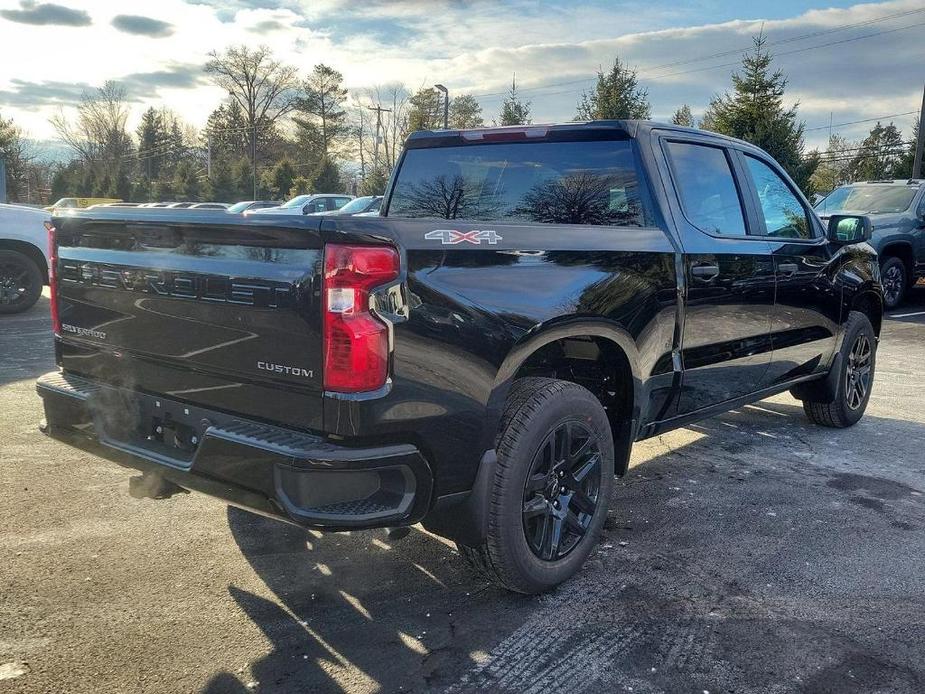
[286, 474]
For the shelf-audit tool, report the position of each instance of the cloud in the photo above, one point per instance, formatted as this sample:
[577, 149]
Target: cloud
[267, 26]
[33, 95]
[139, 86]
[175, 76]
[47, 13]
[142, 26]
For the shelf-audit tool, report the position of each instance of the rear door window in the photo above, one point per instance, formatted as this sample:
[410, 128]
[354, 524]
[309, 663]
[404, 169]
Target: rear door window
[594, 183]
[707, 189]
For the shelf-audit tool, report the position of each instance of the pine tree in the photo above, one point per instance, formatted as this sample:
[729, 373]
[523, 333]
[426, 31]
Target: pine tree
[321, 110]
[375, 182]
[425, 110]
[300, 186]
[754, 112]
[465, 112]
[880, 154]
[683, 116]
[328, 178]
[514, 111]
[617, 95]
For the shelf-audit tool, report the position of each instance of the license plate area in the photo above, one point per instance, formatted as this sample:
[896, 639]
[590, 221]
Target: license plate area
[169, 429]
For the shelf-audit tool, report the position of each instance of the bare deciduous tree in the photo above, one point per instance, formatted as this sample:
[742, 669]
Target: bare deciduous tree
[264, 88]
[99, 133]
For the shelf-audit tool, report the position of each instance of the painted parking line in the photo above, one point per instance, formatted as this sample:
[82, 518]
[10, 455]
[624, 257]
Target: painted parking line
[905, 315]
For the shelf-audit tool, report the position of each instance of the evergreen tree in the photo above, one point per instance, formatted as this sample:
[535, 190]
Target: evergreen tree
[617, 95]
[277, 182]
[15, 153]
[754, 112]
[186, 182]
[834, 168]
[907, 161]
[321, 110]
[514, 111]
[425, 110]
[683, 116]
[375, 182]
[222, 186]
[465, 112]
[328, 178]
[300, 186]
[880, 154]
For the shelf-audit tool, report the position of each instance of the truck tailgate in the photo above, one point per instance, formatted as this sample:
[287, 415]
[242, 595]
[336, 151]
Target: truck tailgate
[208, 309]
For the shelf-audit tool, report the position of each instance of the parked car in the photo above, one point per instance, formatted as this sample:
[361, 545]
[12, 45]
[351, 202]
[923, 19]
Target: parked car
[897, 211]
[480, 358]
[307, 204]
[223, 206]
[23, 257]
[78, 203]
[180, 205]
[252, 205]
[368, 204]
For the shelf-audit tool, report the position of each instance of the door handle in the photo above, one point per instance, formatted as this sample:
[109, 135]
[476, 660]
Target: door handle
[705, 273]
[788, 269]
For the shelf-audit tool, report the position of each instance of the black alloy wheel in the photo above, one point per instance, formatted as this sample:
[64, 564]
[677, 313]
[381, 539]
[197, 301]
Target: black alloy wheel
[561, 490]
[857, 377]
[20, 282]
[893, 279]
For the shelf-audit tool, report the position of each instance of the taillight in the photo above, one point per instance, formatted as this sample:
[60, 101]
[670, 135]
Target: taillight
[52, 284]
[356, 343]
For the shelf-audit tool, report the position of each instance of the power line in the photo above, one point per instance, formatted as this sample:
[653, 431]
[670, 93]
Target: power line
[864, 120]
[644, 74]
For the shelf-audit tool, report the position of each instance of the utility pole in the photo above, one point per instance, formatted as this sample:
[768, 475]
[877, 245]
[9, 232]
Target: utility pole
[920, 144]
[209, 155]
[379, 111]
[446, 105]
[254, 158]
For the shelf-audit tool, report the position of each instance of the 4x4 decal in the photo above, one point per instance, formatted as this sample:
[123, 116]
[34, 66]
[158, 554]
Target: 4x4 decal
[450, 237]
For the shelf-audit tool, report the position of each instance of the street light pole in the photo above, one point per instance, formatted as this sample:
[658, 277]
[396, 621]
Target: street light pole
[446, 105]
[920, 143]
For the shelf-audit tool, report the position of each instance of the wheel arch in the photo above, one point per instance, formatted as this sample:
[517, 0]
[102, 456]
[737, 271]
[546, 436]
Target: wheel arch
[870, 303]
[557, 347]
[901, 249]
[31, 251]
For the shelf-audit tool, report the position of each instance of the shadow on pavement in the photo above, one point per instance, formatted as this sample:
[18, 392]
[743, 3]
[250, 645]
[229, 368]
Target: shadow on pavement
[678, 596]
[22, 337]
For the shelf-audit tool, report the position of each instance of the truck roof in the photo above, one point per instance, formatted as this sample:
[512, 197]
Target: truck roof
[540, 131]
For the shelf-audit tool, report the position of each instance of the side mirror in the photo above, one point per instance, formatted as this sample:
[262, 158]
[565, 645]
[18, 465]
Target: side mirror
[847, 229]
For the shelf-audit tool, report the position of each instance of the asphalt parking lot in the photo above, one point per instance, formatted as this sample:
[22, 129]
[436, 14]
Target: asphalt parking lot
[751, 553]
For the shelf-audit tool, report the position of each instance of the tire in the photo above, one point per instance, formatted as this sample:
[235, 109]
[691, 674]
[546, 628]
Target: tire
[20, 282]
[895, 278]
[855, 380]
[567, 495]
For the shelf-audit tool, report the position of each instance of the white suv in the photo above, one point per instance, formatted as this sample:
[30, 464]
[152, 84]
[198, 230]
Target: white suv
[306, 204]
[23, 256]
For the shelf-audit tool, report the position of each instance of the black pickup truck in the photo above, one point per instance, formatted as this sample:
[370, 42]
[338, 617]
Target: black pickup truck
[481, 357]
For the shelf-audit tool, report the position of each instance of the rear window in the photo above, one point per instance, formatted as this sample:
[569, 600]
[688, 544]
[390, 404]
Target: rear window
[538, 182]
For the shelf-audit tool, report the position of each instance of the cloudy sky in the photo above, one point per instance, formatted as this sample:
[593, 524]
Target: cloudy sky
[853, 61]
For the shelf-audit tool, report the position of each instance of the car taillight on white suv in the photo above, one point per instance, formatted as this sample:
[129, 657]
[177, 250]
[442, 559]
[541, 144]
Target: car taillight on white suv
[356, 342]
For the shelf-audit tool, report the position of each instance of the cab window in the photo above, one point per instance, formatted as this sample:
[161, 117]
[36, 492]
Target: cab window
[707, 189]
[783, 213]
